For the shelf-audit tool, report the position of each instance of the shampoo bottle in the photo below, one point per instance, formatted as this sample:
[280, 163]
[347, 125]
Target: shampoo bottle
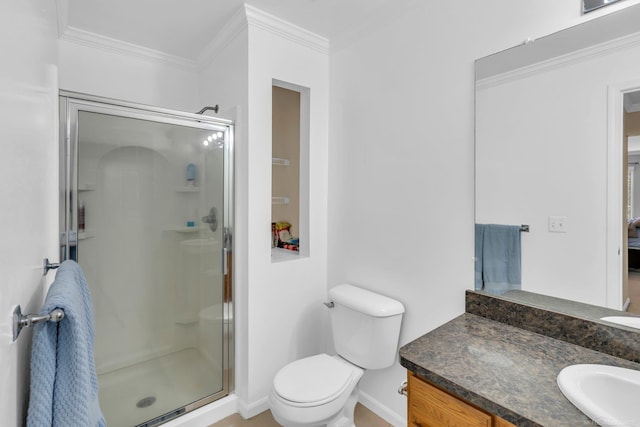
[191, 174]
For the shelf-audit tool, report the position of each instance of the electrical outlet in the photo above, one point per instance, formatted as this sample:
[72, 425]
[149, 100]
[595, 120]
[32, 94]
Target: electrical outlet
[558, 224]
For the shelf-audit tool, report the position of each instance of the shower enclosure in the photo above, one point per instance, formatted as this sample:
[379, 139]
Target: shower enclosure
[146, 211]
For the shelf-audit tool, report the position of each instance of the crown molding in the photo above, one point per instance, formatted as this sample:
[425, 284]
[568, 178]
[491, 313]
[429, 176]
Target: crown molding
[244, 17]
[247, 16]
[232, 28]
[591, 52]
[260, 19]
[62, 9]
[108, 44]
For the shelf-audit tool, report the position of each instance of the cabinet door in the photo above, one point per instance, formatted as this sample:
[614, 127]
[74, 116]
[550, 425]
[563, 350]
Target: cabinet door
[499, 422]
[432, 407]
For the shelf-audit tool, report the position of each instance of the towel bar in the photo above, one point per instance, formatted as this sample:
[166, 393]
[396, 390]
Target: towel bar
[25, 321]
[49, 265]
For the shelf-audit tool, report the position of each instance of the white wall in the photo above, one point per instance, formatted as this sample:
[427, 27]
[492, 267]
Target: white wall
[285, 314]
[279, 315]
[402, 155]
[28, 172]
[91, 67]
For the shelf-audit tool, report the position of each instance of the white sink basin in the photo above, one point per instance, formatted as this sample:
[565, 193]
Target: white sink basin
[633, 322]
[609, 395]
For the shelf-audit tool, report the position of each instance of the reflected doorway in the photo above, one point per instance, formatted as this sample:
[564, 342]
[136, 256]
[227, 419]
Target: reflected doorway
[631, 202]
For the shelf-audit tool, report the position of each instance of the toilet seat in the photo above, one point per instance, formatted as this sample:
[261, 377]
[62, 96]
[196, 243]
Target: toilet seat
[314, 381]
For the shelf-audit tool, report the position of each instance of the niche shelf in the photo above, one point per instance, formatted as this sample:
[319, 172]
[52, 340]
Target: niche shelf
[279, 162]
[280, 254]
[279, 200]
[86, 187]
[87, 233]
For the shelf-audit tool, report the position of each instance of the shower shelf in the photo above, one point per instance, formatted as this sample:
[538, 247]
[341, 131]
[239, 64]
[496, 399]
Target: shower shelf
[184, 229]
[279, 161]
[86, 187]
[187, 189]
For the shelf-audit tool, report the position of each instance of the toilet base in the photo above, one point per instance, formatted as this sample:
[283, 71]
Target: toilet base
[344, 417]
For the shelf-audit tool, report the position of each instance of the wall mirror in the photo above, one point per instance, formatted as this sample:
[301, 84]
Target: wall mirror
[551, 142]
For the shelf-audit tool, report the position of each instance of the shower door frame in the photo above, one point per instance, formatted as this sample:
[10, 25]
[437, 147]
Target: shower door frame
[70, 104]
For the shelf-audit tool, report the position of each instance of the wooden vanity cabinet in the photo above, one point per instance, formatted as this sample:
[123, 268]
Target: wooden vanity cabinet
[430, 406]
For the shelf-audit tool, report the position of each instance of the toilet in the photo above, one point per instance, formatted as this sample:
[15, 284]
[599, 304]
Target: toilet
[322, 390]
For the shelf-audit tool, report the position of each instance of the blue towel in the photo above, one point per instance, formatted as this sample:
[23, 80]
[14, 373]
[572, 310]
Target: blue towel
[498, 258]
[479, 243]
[64, 385]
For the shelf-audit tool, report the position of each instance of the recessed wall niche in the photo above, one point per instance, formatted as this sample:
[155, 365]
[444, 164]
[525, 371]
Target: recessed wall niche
[289, 176]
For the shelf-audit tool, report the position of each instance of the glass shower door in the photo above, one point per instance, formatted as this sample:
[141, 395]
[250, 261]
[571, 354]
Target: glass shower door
[146, 215]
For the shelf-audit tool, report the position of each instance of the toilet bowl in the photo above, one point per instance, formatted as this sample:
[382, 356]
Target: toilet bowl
[315, 391]
[322, 390]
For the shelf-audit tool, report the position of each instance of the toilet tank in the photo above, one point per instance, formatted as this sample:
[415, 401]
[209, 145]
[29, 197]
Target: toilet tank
[365, 326]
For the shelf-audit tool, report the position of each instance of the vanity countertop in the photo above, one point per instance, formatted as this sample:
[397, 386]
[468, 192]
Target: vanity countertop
[505, 370]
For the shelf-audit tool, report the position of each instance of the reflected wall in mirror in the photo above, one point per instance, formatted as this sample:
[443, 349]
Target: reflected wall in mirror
[550, 142]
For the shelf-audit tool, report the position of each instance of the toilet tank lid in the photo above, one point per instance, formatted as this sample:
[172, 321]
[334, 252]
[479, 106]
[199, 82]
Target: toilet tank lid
[364, 301]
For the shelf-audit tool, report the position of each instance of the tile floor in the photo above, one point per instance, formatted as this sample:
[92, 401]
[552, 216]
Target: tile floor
[364, 418]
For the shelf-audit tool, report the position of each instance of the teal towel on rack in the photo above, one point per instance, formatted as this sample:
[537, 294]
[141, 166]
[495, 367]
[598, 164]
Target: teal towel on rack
[64, 385]
[479, 243]
[498, 258]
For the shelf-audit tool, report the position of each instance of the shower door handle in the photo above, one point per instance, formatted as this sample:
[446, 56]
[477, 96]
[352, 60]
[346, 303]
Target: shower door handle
[225, 261]
[226, 237]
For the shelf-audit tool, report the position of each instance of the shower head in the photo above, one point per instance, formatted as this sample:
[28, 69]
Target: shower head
[215, 109]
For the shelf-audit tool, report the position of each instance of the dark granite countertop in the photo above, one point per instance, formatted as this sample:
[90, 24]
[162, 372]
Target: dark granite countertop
[505, 370]
[560, 305]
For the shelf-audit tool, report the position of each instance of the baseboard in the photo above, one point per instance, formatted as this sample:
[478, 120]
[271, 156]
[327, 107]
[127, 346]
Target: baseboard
[218, 410]
[208, 414]
[231, 404]
[251, 410]
[381, 410]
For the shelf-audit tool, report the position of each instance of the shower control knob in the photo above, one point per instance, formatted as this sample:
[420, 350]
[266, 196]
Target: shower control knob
[211, 219]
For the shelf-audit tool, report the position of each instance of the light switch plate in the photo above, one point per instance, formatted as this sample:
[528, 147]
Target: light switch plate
[558, 224]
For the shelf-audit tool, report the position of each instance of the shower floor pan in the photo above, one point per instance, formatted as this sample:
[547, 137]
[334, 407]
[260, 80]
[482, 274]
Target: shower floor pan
[139, 393]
